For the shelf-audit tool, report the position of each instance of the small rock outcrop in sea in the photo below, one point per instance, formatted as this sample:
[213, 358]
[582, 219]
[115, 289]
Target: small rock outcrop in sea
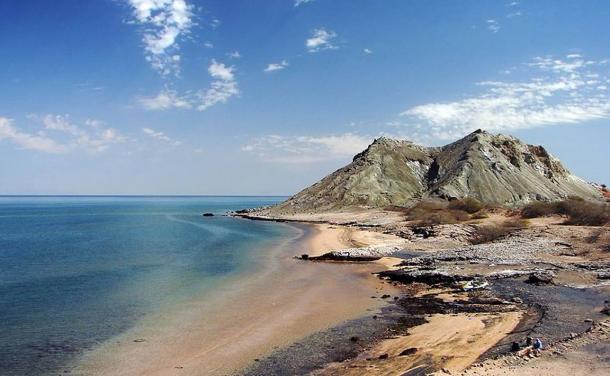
[208, 214]
[494, 169]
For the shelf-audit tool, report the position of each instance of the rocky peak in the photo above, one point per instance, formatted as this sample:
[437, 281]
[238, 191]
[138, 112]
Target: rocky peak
[494, 169]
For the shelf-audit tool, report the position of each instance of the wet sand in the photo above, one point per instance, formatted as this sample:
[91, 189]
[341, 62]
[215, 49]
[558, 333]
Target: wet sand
[283, 301]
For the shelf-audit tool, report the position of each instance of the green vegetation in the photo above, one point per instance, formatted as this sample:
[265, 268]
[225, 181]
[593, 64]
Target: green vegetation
[577, 211]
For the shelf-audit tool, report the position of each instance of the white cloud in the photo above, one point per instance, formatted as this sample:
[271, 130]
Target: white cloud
[561, 91]
[67, 136]
[276, 66]
[98, 139]
[208, 44]
[165, 100]
[160, 136]
[307, 149]
[493, 25]
[164, 22]
[27, 140]
[320, 40]
[234, 55]
[221, 89]
[301, 2]
[367, 51]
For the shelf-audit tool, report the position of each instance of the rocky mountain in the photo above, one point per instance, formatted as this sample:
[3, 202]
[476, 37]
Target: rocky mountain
[494, 169]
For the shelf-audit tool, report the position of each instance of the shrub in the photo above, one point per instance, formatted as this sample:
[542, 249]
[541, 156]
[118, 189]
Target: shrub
[585, 213]
[430, 212]
[539, 209]
[578, 211]
[491, 232]
[468, 204]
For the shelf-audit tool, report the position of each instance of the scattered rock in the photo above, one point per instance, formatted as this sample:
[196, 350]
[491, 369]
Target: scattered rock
[138, 340]
[354, 338]
[383, 356]
[385, 296]
[409, 351]
[304, 256]
[540, 278]
[208, 214]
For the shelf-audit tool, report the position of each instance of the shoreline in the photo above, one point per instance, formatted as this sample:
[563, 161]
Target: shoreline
[433, 337]
[248, 318]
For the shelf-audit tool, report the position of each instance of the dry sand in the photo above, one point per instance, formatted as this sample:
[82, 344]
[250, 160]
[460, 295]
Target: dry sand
[247, 318]
[449, 341]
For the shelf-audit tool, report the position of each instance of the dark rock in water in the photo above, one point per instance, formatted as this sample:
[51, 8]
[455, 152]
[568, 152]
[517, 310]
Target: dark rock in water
[409, 351]
[540, 278]
[334, 256]
[304, 256]
[383, 356]
[208, 214]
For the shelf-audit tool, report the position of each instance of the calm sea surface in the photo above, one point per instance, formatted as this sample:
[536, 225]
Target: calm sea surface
[75, 271]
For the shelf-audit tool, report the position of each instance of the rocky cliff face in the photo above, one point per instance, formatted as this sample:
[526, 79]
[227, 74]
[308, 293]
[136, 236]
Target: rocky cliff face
[494, 169]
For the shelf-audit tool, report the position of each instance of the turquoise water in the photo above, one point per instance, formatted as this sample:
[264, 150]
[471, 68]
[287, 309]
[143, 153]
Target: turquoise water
[75, 271]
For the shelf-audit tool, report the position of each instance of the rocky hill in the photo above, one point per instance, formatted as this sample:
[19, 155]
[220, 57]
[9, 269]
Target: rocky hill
[495, 169]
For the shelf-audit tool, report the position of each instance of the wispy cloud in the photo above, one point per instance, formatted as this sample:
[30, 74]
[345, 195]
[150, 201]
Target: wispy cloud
[222, 88]
[165, 100]
[276, 66]
[59, 135]
[301, 2]
[94, 137]
[160, 136]
[560, 91]
[164, 22]
[367, 51]
[307, 149]
[493, 25]
[27, 140]
[234, 55]
[321, 39]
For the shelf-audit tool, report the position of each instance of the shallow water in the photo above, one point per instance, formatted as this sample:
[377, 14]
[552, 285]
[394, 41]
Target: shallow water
[75, 271]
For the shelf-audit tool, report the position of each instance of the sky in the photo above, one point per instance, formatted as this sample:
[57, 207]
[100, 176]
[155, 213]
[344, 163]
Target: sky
[266, 97]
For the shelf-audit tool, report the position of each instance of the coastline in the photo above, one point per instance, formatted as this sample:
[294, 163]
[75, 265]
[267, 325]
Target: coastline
[251, 316]
[447, 330]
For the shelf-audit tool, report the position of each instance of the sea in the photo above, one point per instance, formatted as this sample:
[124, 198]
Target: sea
[77, 270]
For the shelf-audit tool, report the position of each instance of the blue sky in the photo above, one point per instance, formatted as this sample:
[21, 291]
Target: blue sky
[266, 97]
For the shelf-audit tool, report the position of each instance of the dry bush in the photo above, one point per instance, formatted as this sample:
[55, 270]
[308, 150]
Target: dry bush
[427, 213]
[539, 209]
[468, 204]
[585, 213]
[491, 232]
[579, 212]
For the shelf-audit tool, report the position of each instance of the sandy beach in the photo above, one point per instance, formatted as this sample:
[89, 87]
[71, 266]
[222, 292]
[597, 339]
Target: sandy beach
[248, 318]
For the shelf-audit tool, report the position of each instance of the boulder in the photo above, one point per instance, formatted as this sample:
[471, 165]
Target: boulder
[540, 278]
